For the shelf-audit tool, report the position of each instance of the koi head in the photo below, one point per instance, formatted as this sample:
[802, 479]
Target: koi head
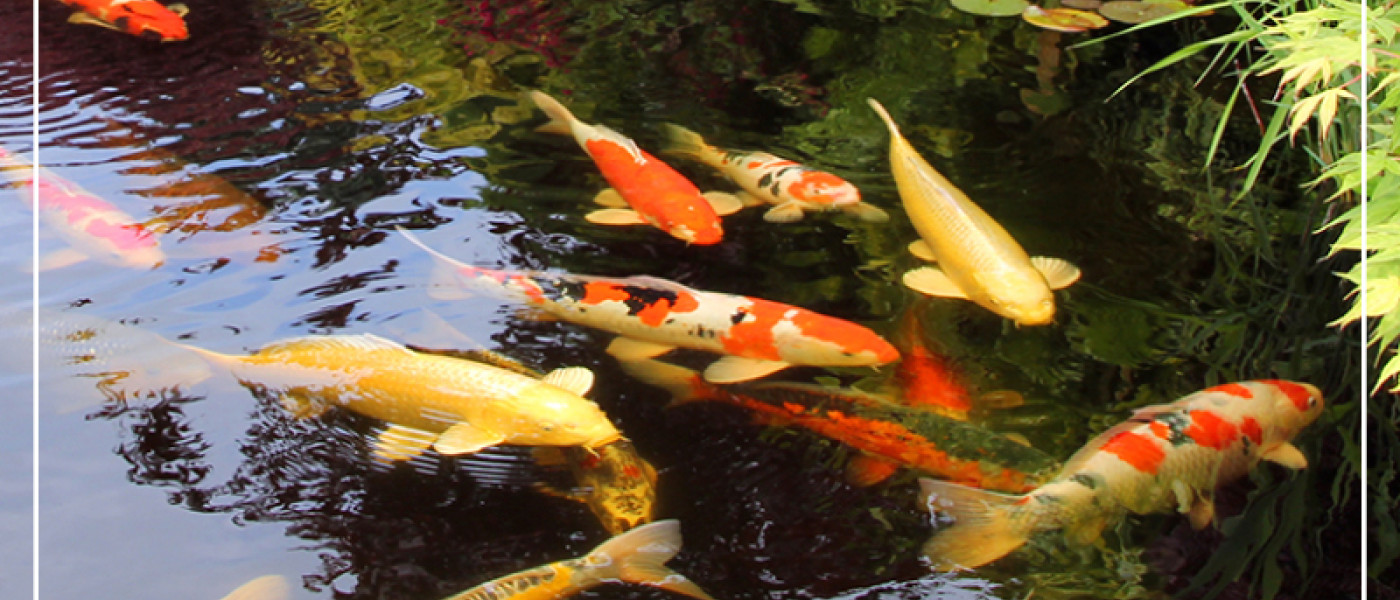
[621, 485]
[805, 337]
[544, 415]
[824, 189]
[1293, 406]
[150, 19]
[696, 223]
[1022, 297]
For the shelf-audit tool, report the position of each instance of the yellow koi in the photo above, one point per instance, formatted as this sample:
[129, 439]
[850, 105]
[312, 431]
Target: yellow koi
[267, 587]
[456, 406]
[977, 259]
[616, 483]
[638, 556]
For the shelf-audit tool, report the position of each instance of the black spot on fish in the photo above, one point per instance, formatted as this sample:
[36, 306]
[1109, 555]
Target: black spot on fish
[1086, 480]
[766, 180]
[639, 298]
[738, 316]
[1177, 422]
[561, 289]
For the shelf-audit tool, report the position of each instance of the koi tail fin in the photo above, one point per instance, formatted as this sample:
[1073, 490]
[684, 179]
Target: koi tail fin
[560, 119]
[443, 284]
[987, 525]
[679, 381]
[684, 142]
[640, 556]
[884, 115]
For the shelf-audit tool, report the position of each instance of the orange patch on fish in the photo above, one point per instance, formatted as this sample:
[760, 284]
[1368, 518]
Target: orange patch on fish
[1161, 430]
[752, 336]
[1250, 428]
[656, 191]
[1209, 430]
[1233, 389]
[850, 337]
[812, 184]
[1136, 449]
[1297, 393]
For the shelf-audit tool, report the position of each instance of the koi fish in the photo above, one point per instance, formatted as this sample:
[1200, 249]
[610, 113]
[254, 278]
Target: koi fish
[456, 406]
[142, 18]
[894, 434]
[645, 191]
[1165, 457]
[637, 556]
[654, 316]
[792, 188]
[267, 587]
[93, 227]
[615, 482]
[977, 259]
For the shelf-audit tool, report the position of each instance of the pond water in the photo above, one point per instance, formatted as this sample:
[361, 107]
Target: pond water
[283, 142]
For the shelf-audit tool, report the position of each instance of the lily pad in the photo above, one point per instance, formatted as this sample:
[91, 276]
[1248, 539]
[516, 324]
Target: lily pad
[1130, 11]
[991, 8]
[1067, 20]
[1083, 4]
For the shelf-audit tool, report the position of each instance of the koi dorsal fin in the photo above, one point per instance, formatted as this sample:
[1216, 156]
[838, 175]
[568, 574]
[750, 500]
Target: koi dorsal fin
[366, 342]
[574, 379]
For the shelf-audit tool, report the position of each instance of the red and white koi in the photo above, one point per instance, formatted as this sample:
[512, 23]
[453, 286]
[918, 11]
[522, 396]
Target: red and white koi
[93, 227]
[654, 316]
[1165, 457]
[141, 18]
[792, 189]
[645, 191]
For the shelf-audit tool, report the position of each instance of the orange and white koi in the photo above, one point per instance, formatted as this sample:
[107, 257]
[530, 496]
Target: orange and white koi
[267, 587]
[888, 435]
[645, 191]
[637, 556]
[93, 227]
[792, 189]
[1165, 457]
[456, 406]
[141, 18]
[977, 259]
[654, 316]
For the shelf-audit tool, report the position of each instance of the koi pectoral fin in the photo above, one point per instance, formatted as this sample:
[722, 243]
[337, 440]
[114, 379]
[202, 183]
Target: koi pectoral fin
[748, 199]
[61, 258]
[610, 198]
[399, 443]
[178, 9]
[733, 369]
[82, 18]
[615, 216]
[463, 438]
[921, 250]
[723, 203]
[1057, 272]
[631, 350]
[933, 282]
[868, 213]
[865, 470]
[787, 212]
[1286, 454]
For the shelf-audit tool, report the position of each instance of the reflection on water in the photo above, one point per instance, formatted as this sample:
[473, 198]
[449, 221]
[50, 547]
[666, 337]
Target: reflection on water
[275, 151]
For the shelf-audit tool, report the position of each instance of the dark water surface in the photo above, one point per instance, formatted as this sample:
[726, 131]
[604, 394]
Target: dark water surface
[334, 121]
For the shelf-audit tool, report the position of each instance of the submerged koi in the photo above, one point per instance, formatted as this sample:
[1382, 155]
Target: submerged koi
[1165, 457]
[267, 587]
[637, 556]
[456, 406]
[790, 187]
[141, 18]
[615, 482]
[645, 191]
[977, 259]
[654, 316]
[891, 433]
[93, 227]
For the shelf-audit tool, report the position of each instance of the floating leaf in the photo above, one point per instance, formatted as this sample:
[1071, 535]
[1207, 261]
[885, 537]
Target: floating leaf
[1129, 11]
[1083, 4]
[991, 8]
[1067, 20]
